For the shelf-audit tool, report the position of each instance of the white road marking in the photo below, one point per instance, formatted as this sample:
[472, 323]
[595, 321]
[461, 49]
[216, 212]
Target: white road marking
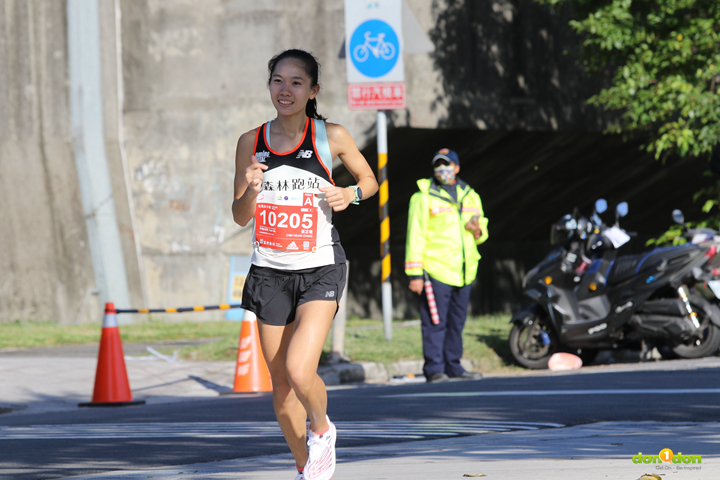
[399, 430]
[526, 393]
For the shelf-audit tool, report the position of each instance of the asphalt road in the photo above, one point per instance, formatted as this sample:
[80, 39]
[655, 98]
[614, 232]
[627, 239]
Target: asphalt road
[85, 441]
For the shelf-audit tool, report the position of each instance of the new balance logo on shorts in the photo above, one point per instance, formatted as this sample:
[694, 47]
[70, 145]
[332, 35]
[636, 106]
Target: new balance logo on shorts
[330, 294]
[304, 154]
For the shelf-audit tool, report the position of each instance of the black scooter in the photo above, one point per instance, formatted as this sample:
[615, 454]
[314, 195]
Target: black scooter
[588, 298]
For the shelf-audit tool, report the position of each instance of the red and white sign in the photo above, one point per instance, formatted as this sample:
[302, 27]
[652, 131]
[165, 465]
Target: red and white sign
[376, 96]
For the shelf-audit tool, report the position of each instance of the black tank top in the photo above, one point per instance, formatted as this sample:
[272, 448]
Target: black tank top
[293, 223]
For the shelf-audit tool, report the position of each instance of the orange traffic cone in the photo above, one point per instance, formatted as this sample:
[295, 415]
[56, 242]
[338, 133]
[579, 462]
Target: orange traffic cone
[112, 388]
[251, 373]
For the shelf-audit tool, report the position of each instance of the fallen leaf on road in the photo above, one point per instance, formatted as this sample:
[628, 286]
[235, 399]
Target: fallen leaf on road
[474, 475]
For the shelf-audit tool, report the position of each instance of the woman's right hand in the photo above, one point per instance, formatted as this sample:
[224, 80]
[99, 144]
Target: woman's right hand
[254, 175]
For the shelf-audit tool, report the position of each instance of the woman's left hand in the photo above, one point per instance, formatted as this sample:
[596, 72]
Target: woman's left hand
[338, 197]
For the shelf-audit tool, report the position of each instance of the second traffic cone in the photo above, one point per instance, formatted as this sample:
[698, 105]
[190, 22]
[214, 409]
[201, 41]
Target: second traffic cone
[251, 372]
[112, 388]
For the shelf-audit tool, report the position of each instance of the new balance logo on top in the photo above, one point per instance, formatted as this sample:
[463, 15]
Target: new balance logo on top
[305, 154]
[292, 246]
[262, 156]
[330, 294]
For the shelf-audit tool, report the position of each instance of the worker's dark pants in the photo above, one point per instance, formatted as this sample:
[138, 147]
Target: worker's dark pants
[442, 343]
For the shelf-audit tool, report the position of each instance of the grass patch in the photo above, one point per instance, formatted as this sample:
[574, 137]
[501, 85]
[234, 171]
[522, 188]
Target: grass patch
[222, 350]
[484, 339]
[47, 334]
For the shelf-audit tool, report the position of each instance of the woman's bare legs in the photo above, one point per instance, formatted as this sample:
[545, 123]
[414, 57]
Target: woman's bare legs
[289, 411]
[312, 325]
[292, 353]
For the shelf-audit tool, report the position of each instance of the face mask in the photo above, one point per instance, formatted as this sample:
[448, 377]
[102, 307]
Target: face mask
[445, 174]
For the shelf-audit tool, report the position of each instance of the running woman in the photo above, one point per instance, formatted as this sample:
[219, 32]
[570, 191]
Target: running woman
[283, 179]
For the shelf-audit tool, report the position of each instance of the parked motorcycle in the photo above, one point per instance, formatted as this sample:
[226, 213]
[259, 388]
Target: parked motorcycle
[586, 297]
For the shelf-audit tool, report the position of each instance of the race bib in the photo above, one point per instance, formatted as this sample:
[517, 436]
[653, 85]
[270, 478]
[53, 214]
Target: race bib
[286, 222]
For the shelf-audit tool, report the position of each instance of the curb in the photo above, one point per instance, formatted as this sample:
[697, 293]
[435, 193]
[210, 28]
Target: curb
[342, 373]
[374, 372]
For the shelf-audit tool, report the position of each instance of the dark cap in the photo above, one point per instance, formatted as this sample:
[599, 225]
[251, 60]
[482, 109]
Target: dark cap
[446, 154]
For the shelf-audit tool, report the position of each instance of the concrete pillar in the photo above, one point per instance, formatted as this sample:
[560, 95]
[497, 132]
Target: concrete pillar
[90, 153]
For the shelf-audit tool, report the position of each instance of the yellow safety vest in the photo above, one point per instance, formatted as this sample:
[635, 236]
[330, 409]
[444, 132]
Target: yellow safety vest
[437, 241]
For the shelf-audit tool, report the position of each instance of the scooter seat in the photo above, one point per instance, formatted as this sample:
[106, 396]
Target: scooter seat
[628, 265]
[623, 268]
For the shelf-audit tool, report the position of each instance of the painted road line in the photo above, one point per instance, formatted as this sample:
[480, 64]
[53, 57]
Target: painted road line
[399, 430]
[529, 393]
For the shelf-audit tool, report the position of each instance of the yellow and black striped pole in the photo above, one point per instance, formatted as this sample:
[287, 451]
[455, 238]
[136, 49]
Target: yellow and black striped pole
[384, 224]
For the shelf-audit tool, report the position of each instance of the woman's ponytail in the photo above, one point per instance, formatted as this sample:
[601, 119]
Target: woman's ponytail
[311, 110]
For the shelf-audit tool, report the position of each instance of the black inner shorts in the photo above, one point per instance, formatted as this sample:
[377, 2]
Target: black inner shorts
[274, 295]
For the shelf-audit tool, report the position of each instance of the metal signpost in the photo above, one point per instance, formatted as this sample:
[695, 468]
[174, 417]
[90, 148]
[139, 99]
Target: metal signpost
[376, 81]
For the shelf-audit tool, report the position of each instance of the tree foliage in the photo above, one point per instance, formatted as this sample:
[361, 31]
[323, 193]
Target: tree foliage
[665, 55]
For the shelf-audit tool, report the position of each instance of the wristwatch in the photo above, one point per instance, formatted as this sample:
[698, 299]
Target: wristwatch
[358, 194]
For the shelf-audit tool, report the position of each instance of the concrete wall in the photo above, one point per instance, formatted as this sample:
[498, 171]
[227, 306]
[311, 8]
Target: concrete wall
[503, 66]
[195, 80]
[181, 82]
[113, 123]
[44, 248]
[45, 267]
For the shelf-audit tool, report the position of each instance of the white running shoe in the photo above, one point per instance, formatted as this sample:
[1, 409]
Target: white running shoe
[321, 454]
[300, 477]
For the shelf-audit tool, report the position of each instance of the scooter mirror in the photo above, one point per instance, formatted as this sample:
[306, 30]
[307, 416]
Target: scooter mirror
[678, 216]
[622, 209]
[600, 205]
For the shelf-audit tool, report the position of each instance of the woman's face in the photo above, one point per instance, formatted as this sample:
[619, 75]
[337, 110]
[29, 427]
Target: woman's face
[290, 87]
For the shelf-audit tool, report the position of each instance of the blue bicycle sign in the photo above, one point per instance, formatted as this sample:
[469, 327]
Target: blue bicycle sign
[381, 48]
[374, 48]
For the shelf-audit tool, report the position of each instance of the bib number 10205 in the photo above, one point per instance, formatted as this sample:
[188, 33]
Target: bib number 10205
[286, 227]
[285, 219]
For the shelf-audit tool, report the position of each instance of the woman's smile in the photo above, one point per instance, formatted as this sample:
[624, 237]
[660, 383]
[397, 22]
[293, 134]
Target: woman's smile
[290, 87]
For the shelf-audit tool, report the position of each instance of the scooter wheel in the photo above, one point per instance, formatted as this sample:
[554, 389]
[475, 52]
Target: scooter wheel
[528, 347]
[709, 340]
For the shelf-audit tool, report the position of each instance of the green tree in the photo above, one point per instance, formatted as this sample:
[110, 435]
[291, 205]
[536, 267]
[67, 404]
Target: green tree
[665, 59]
